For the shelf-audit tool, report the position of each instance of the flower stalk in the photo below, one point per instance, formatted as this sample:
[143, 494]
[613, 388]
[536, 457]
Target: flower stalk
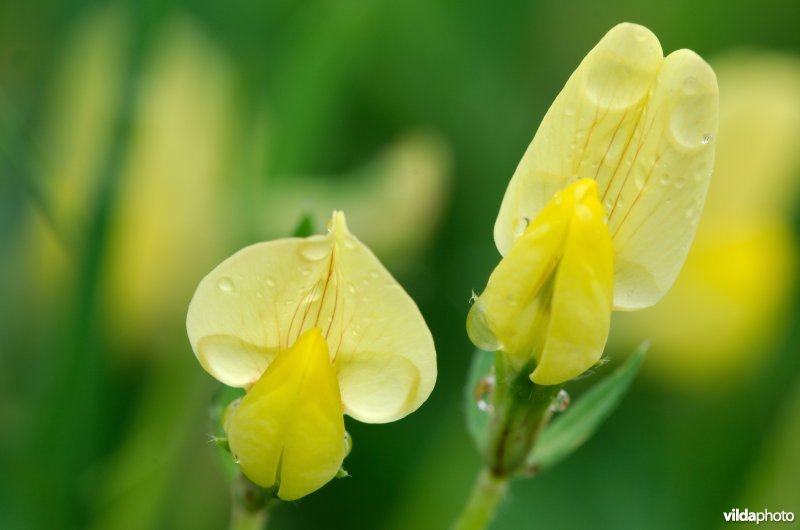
[249, 504]
[520, 411]
[486, 495]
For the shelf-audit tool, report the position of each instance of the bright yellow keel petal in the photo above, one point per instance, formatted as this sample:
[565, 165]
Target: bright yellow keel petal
[580, 310]
[550, 297]
[289, 427]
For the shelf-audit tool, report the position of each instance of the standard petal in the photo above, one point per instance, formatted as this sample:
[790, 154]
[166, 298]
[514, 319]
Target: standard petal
[243, 311]
[376, 386]
[371, 320]
[587, 130]
[289, 426]
[580, 310]
[265, 296]
[654, 202]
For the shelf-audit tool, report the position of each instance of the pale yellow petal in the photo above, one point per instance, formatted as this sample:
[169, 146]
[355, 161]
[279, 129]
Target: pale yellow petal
[587, 129]
[249, 302]
[266, 295]
[580, 310]
[289, 426]
[376, 386]
[657, 201]
[374, 319]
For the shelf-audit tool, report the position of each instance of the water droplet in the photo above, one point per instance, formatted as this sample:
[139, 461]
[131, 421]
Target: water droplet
[351, 288]
[608, 204]
[236, 459]
[680, 182]
[473, 297]
[640, 180]
[478, 329]
[315, 250]
[259, 295]
[373, 275]
[305, 272]
[691, 210]
[706, 139]
[560, 402]
[290, 302]
[349, 242]
[225, 284]
[484, 391]
[521, 225]
[365, 281]
[270, 282]
[570, 110]
[664, 179]
[641, 34]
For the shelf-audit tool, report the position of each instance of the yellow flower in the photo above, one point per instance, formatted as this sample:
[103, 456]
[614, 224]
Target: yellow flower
[629, 138]
[312, 328]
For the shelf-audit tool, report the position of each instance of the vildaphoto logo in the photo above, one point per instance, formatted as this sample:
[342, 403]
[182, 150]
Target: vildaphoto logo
[746, 516]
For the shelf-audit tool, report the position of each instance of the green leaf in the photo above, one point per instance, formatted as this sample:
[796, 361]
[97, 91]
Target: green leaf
[575, 426]
[304, 227]
[477, 418]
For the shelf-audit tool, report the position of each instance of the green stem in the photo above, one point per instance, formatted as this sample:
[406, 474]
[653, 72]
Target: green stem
[249, 504]
[482, 504]
[245, 520]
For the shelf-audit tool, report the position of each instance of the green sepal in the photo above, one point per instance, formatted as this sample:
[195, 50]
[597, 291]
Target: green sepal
[478, 419]
[219, 404]
[584, 417]
[304, 227]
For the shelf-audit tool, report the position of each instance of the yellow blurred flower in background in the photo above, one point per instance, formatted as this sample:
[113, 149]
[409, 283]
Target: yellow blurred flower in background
[312, 328]
[175, 192]
[395, 200]
[181, 187]
[728, 305]
[629, 138]
[78, 129]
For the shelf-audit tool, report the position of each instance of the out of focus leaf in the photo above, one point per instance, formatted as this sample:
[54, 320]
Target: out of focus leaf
[477, 397]
[575, 426]
[305, 226]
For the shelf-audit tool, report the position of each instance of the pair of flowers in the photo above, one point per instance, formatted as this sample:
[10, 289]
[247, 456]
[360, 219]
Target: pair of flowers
[598, 216]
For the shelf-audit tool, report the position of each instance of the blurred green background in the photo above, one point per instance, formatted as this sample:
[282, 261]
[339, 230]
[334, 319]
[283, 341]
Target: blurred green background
[141, 144]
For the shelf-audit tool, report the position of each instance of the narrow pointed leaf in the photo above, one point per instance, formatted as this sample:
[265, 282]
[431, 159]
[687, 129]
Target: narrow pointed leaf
[579, 423]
